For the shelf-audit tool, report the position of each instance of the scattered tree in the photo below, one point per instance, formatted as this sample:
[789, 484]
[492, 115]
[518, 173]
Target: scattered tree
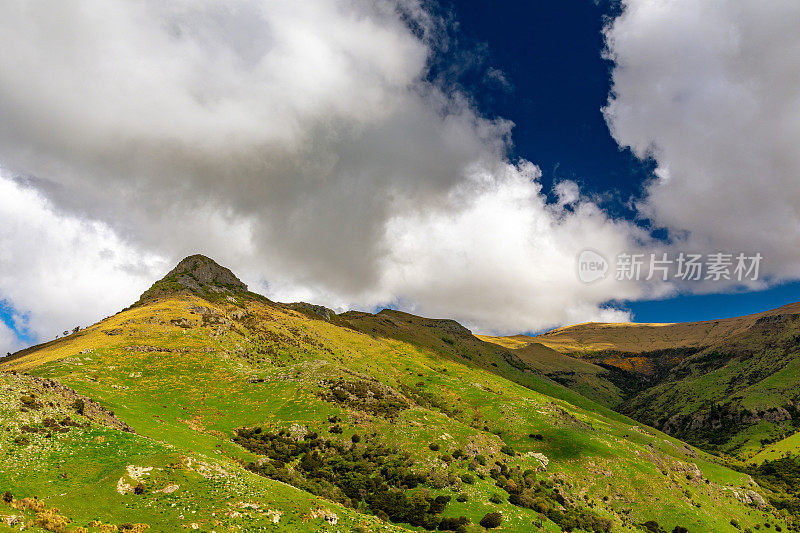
[492, 520]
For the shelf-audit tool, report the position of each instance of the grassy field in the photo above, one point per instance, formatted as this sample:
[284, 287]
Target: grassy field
[471, 420]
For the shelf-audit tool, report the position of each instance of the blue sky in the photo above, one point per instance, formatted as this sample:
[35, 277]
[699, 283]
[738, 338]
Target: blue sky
[551, 55]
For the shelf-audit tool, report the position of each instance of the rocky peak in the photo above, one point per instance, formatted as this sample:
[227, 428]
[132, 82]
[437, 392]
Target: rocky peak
[197, 274]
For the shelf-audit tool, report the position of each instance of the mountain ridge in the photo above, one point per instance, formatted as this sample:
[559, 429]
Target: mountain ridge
[248, 413]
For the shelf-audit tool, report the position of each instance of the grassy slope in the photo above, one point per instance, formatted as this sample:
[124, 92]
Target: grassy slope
[185, 406]
[632, 337]
[744, 363]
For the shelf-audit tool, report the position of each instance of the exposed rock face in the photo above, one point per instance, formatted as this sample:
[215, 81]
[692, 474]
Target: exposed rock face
[198, 270]
[314, 310]
[196, 274]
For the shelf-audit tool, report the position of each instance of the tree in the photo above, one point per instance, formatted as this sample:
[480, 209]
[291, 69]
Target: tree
[76, 329]
[492, 520]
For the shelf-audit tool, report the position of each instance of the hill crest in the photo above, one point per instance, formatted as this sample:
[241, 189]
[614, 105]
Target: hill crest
[196, 274]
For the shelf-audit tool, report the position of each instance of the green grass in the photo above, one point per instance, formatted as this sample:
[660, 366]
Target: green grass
[268, 369]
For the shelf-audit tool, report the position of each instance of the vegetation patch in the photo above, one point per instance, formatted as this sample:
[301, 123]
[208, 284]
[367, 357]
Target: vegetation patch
[544, 497]
[368, 396]
[368, 476]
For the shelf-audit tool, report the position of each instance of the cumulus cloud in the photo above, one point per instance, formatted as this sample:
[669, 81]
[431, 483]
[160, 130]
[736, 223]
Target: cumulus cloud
[711, 91]
[58, 271]
[9, 342]
[299, 143]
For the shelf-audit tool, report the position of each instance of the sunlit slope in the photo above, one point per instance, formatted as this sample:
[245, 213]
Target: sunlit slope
[68, 466]
[186, 372]
[634, 337]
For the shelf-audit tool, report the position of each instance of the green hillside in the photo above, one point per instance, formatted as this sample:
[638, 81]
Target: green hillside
[219, 410]
[728, 386]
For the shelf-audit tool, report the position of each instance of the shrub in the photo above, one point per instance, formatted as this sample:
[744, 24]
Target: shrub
[79, 405]
[8, 497]
[336, 429]
[138, 489]
[652, 527]
[453, 524]
[469, 479]
[355, 438]
[496, 498]
[508, 450]
[680, 529]
[492, 520]
[434, 447]
[462, 497]
[29, 401]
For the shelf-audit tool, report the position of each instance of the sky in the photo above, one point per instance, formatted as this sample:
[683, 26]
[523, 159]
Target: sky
[451, 159]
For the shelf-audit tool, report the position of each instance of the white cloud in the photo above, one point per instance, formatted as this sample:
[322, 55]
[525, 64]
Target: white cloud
[711, 90]
[296, 142]
[9, 343]
[58, 271]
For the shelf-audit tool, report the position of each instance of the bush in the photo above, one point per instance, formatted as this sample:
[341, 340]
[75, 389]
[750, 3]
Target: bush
[462, 497]
[138, 489]
[8, 497]
[79, 405]
[492, 520]
[652, 526]
[336, 429]
[355, 438]
[469, 479]
[508, 450]
[434, 447]
[453, 524]
[680, 529]
[496, 498]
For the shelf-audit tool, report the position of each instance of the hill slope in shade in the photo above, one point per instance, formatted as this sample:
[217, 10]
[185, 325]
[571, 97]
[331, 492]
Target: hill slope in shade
[728, 385]
[249, 414]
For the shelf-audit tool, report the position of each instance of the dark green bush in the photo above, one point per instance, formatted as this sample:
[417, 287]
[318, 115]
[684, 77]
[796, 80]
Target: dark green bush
[79, 405]
[492, 520]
